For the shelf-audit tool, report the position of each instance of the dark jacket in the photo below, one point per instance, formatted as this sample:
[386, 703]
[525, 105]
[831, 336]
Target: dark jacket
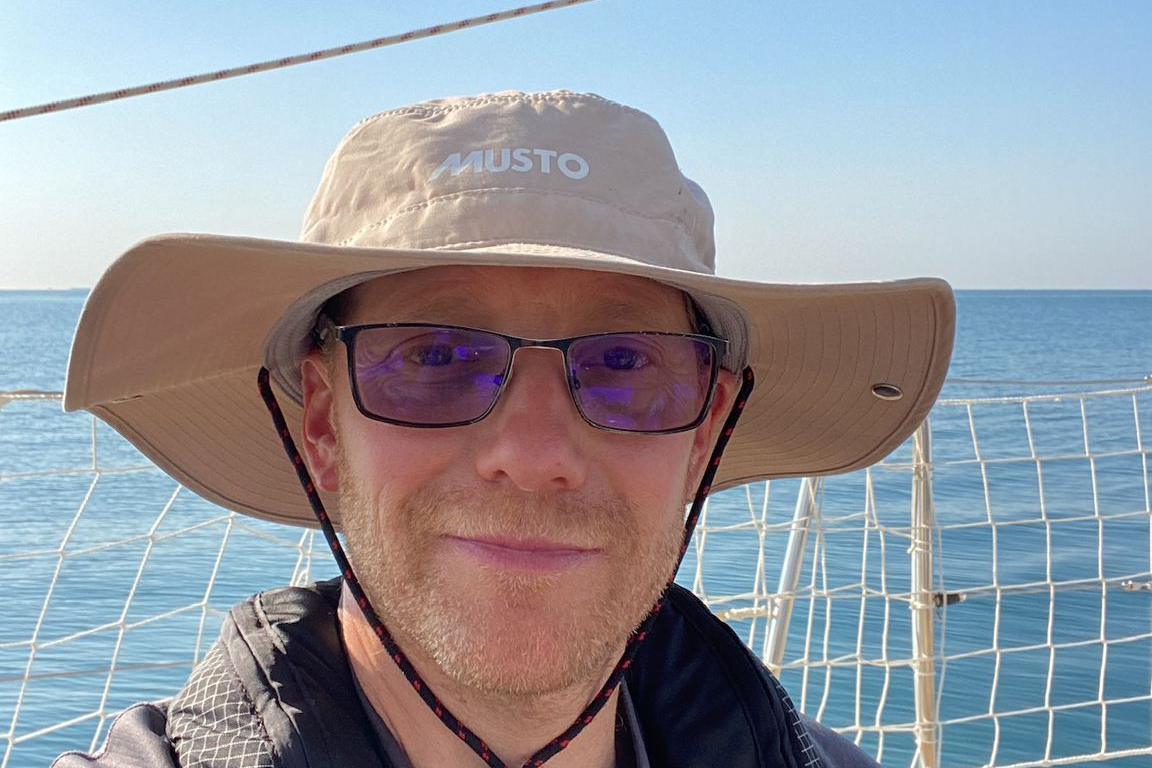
[277, 692]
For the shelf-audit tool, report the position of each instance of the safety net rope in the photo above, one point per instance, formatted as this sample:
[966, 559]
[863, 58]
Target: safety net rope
[1000, 562]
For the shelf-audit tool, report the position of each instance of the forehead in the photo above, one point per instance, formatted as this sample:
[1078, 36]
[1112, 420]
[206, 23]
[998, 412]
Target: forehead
[518, 299]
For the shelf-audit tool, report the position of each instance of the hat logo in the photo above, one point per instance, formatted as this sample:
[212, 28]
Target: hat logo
[518, 159]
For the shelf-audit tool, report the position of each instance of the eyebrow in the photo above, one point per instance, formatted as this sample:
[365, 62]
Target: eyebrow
[624, 311]
[463, 307]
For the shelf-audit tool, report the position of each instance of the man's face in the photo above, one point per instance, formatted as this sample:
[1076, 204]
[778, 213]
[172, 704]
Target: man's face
[517, 553]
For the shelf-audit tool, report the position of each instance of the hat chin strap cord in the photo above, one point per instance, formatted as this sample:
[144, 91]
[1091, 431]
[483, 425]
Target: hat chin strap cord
[463, 732]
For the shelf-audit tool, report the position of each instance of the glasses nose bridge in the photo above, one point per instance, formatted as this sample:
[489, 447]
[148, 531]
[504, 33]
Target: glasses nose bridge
[559, 345]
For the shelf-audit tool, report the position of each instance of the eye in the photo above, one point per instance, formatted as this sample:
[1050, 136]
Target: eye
[624, 358]
[431, 355]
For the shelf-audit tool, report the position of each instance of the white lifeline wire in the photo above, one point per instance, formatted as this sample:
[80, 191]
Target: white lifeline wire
[282, 63]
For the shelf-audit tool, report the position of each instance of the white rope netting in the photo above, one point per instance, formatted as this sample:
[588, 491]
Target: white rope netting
[118, 578]
[1030, 633]
[981, 598]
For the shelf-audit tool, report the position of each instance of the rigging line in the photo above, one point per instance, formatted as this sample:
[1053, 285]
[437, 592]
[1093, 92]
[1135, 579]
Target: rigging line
[288, 61]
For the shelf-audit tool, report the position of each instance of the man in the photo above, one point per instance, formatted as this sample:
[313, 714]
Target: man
[512, 375]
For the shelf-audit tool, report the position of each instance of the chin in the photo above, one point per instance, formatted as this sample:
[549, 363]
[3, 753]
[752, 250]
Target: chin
[520, 658]
[520, 634]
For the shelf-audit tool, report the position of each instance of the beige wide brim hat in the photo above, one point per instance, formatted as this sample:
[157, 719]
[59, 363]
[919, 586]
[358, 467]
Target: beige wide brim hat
[173, 336]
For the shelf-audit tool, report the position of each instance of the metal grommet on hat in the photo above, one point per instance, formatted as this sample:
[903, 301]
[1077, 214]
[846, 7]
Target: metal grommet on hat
[886, 391]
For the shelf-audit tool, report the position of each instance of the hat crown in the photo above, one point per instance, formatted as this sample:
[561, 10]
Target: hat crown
[555, 170]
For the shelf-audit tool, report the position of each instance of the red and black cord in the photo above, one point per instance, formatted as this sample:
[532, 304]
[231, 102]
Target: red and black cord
[463, 732]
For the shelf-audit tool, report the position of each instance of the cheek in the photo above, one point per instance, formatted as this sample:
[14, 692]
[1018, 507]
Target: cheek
[388, 462]
[652, 477]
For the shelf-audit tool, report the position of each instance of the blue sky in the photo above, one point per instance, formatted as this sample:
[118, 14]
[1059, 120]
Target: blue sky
[998, 145]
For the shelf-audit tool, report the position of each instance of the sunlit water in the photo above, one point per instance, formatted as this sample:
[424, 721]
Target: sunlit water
[1001, 335]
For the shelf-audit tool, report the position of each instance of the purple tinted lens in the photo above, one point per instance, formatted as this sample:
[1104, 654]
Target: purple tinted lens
[641, 382]
[428, 376]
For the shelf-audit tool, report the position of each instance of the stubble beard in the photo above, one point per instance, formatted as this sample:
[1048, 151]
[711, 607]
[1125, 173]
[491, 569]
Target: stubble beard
[531, 635]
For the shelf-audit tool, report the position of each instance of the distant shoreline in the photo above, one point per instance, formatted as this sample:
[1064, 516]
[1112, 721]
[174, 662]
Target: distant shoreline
[959, 291]
[44, 290]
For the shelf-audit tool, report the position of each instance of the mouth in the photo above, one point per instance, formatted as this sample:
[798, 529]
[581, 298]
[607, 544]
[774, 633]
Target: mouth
[532, 555]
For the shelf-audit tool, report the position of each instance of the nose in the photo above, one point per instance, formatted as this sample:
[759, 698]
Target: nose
[535, 438]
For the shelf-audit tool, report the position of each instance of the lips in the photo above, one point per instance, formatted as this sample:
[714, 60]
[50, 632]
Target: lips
[535, 555]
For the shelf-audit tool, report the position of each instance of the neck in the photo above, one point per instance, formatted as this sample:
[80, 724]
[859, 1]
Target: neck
[514, 727]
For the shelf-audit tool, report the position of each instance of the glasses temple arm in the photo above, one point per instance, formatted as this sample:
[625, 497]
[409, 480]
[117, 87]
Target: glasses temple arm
[747, 383]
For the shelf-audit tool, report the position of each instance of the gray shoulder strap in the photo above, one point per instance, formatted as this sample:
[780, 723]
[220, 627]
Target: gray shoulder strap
[275, 692]
[213, 721]
[135, 740]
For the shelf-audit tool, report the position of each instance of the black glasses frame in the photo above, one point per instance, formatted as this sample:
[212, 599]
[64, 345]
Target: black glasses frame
[348, 333]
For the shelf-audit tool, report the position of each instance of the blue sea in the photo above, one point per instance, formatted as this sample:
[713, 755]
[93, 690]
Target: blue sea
[131, 591]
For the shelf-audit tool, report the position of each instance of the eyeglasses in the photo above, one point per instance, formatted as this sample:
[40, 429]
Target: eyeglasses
[446, 376]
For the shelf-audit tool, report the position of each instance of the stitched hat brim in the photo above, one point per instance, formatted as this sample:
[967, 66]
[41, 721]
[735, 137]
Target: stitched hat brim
[172, 338]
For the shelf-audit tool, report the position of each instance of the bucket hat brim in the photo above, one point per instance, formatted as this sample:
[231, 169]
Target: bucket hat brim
[173, 336]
